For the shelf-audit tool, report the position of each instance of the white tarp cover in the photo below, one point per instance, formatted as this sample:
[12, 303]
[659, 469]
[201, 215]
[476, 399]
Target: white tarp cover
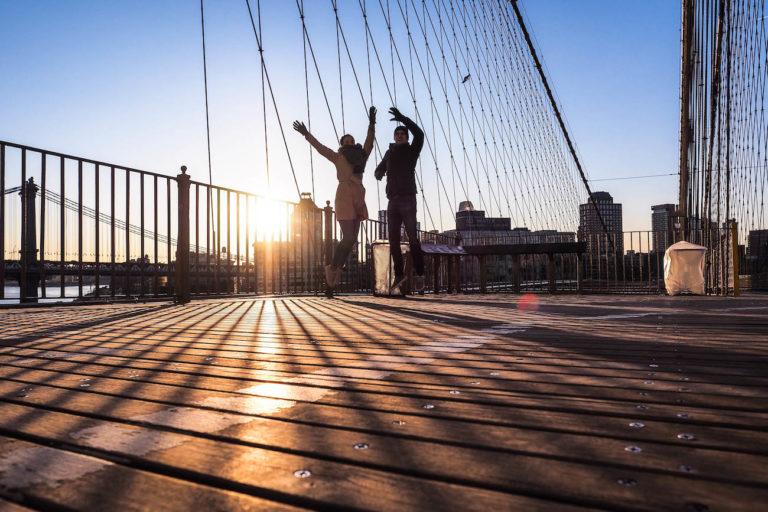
[684, 268]
[382, 264]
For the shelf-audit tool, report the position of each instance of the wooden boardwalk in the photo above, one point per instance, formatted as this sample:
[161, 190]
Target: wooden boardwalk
[435, 403]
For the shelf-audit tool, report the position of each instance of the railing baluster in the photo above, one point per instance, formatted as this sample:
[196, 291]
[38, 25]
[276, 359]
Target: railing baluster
[142, 253]
[237, 238]
[247, 244]
[217, 241]
[169, 251]
[62, 223]
[113, 274]
[23, 292]
[79, 228]
[196, 273]
[97, 239]
[2, 221]
[208, 219]
[43, 185]
[229, 244]
[156, 248]
[127, 233]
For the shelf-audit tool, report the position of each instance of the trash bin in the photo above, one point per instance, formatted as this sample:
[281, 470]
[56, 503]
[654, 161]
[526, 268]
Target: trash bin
[383, 270]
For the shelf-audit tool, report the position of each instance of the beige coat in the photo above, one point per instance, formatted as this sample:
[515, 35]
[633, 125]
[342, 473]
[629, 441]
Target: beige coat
[350, 194]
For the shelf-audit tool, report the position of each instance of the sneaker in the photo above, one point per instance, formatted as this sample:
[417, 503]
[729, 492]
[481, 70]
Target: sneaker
[418, 284]
[397, 283]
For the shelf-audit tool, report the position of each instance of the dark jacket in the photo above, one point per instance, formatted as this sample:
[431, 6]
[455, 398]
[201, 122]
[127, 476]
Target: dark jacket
[399, 164]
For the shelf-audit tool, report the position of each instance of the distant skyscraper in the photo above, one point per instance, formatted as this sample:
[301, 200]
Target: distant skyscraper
[591, 230]
[757, 244]
[662, 220]
[382, 226]
[474, 228]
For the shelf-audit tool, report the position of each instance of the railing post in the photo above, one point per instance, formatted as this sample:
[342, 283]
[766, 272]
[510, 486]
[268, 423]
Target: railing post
[182, 244]
[551, 273]
[29, 277]
[458, 275]
[578, 272]
[436, 272]
[481, 263]
[735, 252]
[516, 273]
[328, 232]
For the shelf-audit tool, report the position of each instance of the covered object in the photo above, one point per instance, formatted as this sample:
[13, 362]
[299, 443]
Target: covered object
[684, 268]
[382, 265]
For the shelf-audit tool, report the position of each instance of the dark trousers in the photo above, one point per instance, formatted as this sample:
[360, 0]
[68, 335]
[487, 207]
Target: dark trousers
[349, 231]
[402, 210]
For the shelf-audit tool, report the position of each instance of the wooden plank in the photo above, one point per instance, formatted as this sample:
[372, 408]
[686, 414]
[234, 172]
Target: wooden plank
[51, 477]
[209, 377]
[250, 469]
[307, 422]
[691, 393]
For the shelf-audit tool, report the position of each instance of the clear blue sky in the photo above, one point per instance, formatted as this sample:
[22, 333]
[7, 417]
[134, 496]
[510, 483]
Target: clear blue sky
[122, 82]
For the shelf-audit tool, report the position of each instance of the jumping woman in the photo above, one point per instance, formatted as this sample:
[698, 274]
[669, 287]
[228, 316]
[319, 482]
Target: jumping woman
[350, 162]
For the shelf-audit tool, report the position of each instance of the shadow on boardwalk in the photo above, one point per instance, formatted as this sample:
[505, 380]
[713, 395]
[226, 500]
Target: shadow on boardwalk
[434, 403]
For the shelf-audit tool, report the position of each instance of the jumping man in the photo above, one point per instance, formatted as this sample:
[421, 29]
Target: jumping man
[399, 165]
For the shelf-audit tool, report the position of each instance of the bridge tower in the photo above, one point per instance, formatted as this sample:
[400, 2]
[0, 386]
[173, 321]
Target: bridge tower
[29, 276]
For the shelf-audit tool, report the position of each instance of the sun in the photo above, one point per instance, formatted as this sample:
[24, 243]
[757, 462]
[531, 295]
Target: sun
[268, 219]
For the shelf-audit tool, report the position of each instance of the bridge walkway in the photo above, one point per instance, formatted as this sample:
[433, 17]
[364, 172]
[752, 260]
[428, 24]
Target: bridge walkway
[433, 403]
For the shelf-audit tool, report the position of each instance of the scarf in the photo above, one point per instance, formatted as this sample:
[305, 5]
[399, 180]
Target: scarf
[355, 156]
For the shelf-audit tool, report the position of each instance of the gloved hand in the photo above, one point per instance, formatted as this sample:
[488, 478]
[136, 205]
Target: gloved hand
[397, 115]
[379, 174]
[299, 127]
[372, 115]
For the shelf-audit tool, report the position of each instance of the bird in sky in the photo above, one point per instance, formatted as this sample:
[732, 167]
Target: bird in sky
[466, 78]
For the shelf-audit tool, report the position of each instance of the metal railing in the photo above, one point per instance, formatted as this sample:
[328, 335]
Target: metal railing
[78, 229]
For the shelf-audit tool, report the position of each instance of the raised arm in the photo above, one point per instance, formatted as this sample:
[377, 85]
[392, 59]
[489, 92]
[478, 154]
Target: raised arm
[368, 145]
[323, 150]
[418, 135]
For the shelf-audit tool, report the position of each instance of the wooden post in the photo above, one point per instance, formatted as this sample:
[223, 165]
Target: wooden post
[551, 273]
[481, 263]
[182, 244]
[516, 273]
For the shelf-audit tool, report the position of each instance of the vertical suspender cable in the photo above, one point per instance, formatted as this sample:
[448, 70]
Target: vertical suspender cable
[257, 35]
[207, 124]
[560, 121]
[338, 55]
[370, 87]
[306, 85]
[263, 101]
